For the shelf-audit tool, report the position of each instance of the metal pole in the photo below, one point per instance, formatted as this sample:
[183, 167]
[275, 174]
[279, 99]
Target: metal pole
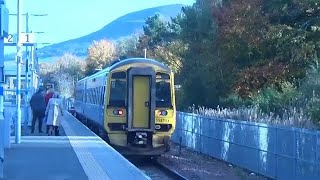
[32, 86]
[6, 128]
[2, 120]
[26, 99]
[145, 52]
[32, 70]
[19, 57]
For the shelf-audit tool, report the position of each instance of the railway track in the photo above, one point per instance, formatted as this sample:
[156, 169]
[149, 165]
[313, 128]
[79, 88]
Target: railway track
[156, 170]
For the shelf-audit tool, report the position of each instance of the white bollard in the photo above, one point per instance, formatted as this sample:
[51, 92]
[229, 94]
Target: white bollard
[7, 130]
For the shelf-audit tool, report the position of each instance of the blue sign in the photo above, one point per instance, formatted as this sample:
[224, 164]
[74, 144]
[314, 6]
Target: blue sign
[4, 20]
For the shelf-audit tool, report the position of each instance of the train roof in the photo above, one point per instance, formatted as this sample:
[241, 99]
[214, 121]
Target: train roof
[139, 60]
[124, 62]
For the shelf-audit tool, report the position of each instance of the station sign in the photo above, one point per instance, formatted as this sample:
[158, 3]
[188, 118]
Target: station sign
[25, 39]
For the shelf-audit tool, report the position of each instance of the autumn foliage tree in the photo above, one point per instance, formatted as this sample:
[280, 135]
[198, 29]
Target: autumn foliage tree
[266, 41]
[100, 54]
[63, 73]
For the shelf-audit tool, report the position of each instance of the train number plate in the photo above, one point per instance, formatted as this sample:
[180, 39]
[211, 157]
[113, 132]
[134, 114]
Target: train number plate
[162, 120]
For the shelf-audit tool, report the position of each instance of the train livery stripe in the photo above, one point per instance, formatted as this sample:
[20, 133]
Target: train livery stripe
[89, 164]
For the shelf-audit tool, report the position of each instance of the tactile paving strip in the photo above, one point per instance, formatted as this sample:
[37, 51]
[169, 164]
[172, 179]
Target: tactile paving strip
[90, 165]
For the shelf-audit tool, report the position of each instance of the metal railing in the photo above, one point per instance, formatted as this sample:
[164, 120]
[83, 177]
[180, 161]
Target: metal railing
[273, 151]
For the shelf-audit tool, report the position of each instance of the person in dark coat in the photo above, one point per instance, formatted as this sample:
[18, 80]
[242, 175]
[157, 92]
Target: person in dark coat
[38, 107]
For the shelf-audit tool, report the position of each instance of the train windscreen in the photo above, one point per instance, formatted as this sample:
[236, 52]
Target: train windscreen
[163, 91]
[118, 90]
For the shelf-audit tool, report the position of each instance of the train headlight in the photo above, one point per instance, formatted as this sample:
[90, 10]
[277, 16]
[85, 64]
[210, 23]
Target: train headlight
[117, 112]
[120, 112]
[162, 113]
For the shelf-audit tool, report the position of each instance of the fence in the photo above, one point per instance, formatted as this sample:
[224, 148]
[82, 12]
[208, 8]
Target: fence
[10, 107]
[276, 152]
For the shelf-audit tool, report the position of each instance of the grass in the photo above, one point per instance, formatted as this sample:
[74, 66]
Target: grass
[294, 117]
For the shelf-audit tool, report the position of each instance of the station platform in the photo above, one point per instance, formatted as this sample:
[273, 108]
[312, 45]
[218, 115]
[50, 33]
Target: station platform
[77, 154]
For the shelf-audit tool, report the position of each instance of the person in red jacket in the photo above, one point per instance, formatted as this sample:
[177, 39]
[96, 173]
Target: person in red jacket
[47, 97]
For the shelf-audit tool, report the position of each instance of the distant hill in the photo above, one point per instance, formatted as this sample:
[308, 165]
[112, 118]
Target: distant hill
[121, 27]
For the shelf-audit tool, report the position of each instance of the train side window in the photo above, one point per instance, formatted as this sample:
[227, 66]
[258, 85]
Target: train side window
[98, 95]
[103, 93]
[90, 96]
[91, 99]
[78, 95]
[94, 95]
[87, 96]
[83, 96]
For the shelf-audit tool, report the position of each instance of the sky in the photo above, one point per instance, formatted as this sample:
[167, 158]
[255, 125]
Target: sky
[69, 19]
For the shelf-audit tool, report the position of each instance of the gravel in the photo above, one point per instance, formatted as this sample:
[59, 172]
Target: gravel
[194, 165]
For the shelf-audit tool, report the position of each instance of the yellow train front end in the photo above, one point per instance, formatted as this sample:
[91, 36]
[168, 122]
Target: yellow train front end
[140, 108]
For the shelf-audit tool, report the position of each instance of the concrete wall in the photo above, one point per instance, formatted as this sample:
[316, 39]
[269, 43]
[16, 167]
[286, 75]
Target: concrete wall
[276, 152]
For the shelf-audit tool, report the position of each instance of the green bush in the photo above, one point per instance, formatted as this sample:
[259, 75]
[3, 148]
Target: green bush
[180, 100]
[275, 99]
[313, 109]
[234, 101]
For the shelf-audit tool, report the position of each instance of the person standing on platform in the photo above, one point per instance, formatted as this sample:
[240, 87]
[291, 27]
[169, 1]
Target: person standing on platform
[54, 113]
[46, 98]
[38, 107]
[48, 95]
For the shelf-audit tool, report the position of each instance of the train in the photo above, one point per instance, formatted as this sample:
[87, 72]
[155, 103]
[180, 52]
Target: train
[130, 104]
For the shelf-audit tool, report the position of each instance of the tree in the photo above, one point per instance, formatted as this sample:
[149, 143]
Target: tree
[160, 39]
[238, 47]
[72, 65]
[127, 46]
[63, 73]
[204, 72]
[265, 41]
[100, 54]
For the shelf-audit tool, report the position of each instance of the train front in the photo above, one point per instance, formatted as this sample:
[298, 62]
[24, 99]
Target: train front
[140, 110]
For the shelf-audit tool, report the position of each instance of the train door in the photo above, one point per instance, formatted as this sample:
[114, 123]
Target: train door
[141, 102]
[141, 105]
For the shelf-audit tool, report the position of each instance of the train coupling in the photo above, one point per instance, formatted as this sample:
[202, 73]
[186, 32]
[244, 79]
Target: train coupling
[141, 138]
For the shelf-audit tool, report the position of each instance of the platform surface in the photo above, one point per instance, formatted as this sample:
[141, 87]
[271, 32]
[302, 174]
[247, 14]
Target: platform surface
[76, 154]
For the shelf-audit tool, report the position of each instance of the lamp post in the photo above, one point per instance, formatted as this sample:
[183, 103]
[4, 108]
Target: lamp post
[18, 59]
[4, 129]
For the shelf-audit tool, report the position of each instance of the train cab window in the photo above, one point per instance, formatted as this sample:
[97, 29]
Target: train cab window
[163, 90]
[118, 90]
[118, 75]
[160, 75]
